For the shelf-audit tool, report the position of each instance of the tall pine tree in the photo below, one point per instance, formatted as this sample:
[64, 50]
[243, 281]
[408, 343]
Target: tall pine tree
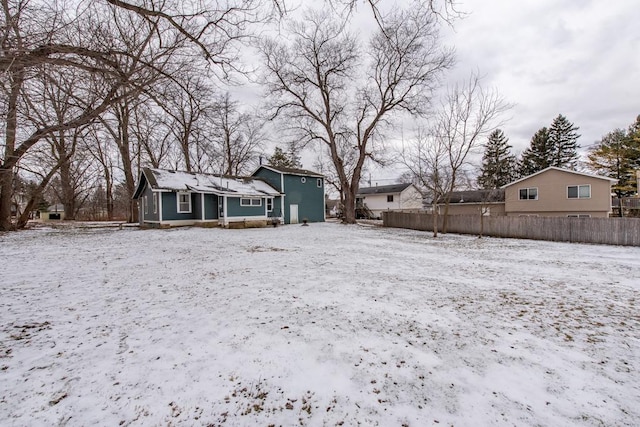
[564, 139]
[538, 155]
[498, 164]
[554, 146]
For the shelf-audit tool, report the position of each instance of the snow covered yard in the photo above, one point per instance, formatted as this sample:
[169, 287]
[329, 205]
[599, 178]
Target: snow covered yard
[319, 325]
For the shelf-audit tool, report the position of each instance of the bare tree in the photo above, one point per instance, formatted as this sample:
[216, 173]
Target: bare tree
[318, 87]
[37, 37]
[100, 43]
[53, 98]
[426, 159]
[238, 136]
[468, 114]
[101, 149]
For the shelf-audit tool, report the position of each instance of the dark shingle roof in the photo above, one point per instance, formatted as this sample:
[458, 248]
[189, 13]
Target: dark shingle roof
[475, 196]
[382, 189]
[293, 171]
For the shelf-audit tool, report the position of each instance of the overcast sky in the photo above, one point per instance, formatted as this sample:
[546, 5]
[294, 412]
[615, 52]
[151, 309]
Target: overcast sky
[580, 58]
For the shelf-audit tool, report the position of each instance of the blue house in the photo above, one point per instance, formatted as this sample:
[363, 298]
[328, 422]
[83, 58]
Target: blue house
[169, 198]
[301, 193]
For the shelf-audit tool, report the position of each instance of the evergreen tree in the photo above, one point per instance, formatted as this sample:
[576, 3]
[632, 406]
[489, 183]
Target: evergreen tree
[555, 146]
[284, 160]
[617, 155]
[538, 155]
[564, 140]
[498, 164]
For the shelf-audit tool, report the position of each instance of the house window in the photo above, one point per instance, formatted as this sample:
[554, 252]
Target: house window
[250, 202]
[303, 180]
[184, 203]
[319, 182]
[269, 205]
[579, 216]
[155, 203]
[145, 205]
[529, 193]
[579, 191]
[390, 198]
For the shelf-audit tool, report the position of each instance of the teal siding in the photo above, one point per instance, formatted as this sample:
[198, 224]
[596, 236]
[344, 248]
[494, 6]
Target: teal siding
[277, 211]
[307, 195]
[196, 206]
[271, 177]
[235, 210]
[147, 216]
[210, 206]
[170, 208]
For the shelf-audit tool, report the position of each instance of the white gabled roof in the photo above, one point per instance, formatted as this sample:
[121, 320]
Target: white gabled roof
[205, 183]
[561, 170]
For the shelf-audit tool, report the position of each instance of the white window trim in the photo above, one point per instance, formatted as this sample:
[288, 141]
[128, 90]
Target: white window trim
[249, 202]
[269, 205]
[155, 202]
[578, 189]
[178, 202]
[528, 189]
[303, 179]
[145, 205]
[319, 182]
[578, 216]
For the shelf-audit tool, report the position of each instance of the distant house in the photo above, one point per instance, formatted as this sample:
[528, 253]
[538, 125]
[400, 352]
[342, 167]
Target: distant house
[549, 192]
[475, 202]
[53, 213]
[559, 192]
[300, 193]
[395, 197]
[170, 198]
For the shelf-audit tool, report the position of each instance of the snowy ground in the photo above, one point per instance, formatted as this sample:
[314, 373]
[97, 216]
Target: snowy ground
[319, 325]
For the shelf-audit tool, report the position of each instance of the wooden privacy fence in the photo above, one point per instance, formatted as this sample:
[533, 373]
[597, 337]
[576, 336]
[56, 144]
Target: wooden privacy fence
[607, 231]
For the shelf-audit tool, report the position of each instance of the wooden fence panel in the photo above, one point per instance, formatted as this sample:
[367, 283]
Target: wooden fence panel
[608, 231]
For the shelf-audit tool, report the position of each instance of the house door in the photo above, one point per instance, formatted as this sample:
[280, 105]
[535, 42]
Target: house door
[293, 214]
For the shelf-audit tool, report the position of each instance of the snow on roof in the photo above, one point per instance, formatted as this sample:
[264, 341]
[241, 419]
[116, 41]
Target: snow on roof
[206, 183]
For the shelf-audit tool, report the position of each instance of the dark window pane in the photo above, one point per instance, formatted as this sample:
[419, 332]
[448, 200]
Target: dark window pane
[523, 194]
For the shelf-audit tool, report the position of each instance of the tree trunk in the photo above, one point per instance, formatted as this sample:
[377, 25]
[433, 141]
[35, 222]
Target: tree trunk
[6, 172]
[435, 217]
[67, 186]
[446, 216]
[109, 190]
[35, 196]
[349, 207]
[6, 189]
[124, 147]
[184, 145]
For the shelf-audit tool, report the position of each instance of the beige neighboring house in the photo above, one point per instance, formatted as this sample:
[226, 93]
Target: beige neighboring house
[474, 202]
[396, 197]
[559, 192]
